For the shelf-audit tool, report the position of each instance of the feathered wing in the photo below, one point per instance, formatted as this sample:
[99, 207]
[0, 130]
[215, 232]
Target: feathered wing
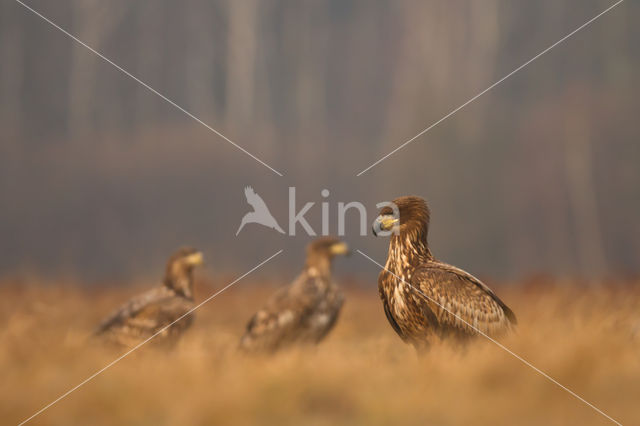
[147, 314]
[392, 320]
[285, 318]
[274, 325]
[325, 314]
[130, 308]
[472, 302]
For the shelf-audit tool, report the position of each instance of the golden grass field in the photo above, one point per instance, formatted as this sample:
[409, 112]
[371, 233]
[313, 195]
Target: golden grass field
[586, 338]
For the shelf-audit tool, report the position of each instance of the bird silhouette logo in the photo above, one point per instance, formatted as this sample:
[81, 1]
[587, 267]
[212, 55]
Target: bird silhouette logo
[260, 213]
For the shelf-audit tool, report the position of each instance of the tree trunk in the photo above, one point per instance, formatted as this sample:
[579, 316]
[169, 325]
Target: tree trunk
[93, 20]
[582, 192]
[241, 62]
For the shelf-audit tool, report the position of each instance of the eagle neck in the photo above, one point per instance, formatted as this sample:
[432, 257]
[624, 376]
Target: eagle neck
[180, 281]
[318, 265]
[406, 252]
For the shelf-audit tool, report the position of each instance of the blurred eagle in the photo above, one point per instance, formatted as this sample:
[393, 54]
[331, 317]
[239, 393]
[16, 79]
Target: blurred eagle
[303, 312]
[147, 314]
[424, 299]
[260, 213]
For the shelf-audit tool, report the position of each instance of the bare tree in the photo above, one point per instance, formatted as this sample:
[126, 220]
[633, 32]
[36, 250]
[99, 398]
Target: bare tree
[201, 45]
[149, 24]
[581, 185]
[93, 21]
[241, 60]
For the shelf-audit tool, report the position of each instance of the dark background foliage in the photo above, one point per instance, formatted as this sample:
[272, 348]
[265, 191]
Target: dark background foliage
[101, 178]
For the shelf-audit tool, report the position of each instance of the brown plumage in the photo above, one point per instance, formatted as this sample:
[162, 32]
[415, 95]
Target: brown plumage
[146, 314]
[412, 312]
[303, 312]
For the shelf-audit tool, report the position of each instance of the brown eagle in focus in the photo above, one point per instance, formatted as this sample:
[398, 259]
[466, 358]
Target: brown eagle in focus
[303, 312]
[424, 299]
[147, 314]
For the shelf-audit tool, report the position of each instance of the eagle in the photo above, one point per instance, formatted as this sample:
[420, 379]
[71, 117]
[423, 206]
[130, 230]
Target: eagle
[303, 312]
[148, 313]
[260, 213]
[426, 300]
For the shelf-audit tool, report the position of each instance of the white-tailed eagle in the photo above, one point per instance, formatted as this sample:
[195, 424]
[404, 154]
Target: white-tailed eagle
[424, 299]
[148, 313]
[303, 312]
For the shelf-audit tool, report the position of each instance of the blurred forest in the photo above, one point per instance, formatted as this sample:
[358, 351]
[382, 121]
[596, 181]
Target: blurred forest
[101, 178]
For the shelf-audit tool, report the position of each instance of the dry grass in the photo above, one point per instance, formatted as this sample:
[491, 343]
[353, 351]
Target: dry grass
[588, 339]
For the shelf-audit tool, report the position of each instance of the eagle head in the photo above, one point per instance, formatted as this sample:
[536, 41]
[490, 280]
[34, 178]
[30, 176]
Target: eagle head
[327, 247]
[321, 251]
[179, 271]
[408, 214]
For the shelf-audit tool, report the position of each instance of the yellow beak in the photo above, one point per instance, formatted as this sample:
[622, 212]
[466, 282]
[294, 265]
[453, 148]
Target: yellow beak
[195, 259]
[339, 249]
[384, 223]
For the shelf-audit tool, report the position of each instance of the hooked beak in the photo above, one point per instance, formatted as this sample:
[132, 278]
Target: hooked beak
[383, 225]
[340, 249]
[195, 259]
